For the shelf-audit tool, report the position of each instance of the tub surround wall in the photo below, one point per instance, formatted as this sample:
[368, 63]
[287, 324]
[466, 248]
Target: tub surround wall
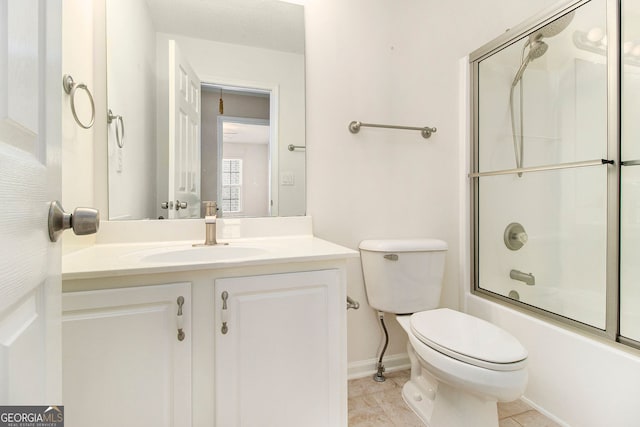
[574, 378]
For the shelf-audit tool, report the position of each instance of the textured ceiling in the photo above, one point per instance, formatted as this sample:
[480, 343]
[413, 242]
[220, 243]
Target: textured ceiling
[268, 24]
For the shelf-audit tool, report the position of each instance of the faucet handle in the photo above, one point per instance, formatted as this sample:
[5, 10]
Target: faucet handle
[210, 208]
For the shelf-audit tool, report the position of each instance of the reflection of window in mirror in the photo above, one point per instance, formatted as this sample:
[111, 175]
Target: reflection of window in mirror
[231, 185]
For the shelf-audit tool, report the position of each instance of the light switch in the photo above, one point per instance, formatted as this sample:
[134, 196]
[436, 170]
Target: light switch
[287, 178]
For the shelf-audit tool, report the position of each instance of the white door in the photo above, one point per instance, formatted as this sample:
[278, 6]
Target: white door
[30, 129]
[184, 136]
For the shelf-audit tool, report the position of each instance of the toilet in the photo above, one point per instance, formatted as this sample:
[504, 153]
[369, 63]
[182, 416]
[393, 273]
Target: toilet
[461, 366]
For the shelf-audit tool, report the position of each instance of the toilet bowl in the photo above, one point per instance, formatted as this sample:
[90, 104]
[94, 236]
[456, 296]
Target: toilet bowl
[461, 366]
[454, 381]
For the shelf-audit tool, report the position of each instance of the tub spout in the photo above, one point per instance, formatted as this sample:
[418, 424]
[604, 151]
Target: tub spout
[527, 278]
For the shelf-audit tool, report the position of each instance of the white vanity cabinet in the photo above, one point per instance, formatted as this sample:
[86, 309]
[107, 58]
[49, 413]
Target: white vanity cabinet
[123, 361]
[282, 361]
[279, 350]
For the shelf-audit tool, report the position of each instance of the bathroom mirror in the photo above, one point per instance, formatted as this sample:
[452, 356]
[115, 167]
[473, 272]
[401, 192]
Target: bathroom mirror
[206, 102]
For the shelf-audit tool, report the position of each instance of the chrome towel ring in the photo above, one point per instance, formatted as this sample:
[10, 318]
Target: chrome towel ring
[119, 129]
[70, 88]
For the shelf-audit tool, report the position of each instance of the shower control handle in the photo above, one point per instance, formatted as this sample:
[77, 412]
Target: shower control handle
[515, 236]
[520, 237]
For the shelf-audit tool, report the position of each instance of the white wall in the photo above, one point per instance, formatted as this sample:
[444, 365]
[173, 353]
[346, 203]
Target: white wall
[83, 157]
[132, 181]
[393, 63]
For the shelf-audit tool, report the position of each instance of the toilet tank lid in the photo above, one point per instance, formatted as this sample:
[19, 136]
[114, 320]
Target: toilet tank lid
[403, 245]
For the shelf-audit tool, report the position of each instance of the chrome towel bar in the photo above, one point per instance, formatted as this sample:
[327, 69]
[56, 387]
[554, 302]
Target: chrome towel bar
[354, 127]
[544, 168]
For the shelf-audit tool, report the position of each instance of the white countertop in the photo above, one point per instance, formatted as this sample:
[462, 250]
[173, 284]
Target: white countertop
[120, 259]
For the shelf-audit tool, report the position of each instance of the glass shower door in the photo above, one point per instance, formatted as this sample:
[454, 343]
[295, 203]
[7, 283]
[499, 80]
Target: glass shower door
[541, 168]
[630, 173]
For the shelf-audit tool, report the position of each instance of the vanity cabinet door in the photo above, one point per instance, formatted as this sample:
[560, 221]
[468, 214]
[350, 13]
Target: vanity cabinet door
[123, 362]
[280, 350]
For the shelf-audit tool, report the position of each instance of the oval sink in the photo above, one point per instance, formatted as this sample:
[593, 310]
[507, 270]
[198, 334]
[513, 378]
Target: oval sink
[197, 254]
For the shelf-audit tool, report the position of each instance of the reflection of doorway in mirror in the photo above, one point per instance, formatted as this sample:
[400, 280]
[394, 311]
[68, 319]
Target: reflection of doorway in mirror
[245, 166]
[240, 136]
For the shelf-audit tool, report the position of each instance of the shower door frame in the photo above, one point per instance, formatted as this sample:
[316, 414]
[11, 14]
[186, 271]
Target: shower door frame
[613, 67]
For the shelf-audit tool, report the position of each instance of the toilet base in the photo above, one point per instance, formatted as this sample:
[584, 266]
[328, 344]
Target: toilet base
[438, 404]
[448, 407]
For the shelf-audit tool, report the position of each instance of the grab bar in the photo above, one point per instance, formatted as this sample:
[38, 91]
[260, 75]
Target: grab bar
[70, 88]
[354, 127]
[544, 168]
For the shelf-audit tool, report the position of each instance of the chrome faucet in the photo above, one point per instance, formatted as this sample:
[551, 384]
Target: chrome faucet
[527, 278]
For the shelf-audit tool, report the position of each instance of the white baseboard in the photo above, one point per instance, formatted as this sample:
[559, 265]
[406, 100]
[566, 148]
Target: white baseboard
[544, 412]
[363, 368]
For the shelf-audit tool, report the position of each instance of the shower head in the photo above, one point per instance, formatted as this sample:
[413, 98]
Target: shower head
[537, 48]
[553, 28]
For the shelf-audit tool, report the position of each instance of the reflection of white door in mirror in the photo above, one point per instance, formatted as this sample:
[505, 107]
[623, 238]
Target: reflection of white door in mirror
[184, 136]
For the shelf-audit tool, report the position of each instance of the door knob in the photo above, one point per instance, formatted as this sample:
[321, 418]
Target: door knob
[181, 205]
[82, 220]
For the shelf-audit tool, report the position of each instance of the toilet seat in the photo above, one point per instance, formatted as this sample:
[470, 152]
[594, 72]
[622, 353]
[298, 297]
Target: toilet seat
[468, 339]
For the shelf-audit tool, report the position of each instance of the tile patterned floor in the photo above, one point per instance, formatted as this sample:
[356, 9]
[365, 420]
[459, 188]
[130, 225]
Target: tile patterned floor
[373, 404]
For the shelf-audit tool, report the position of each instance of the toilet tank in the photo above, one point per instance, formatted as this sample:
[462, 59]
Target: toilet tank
[403, 276]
